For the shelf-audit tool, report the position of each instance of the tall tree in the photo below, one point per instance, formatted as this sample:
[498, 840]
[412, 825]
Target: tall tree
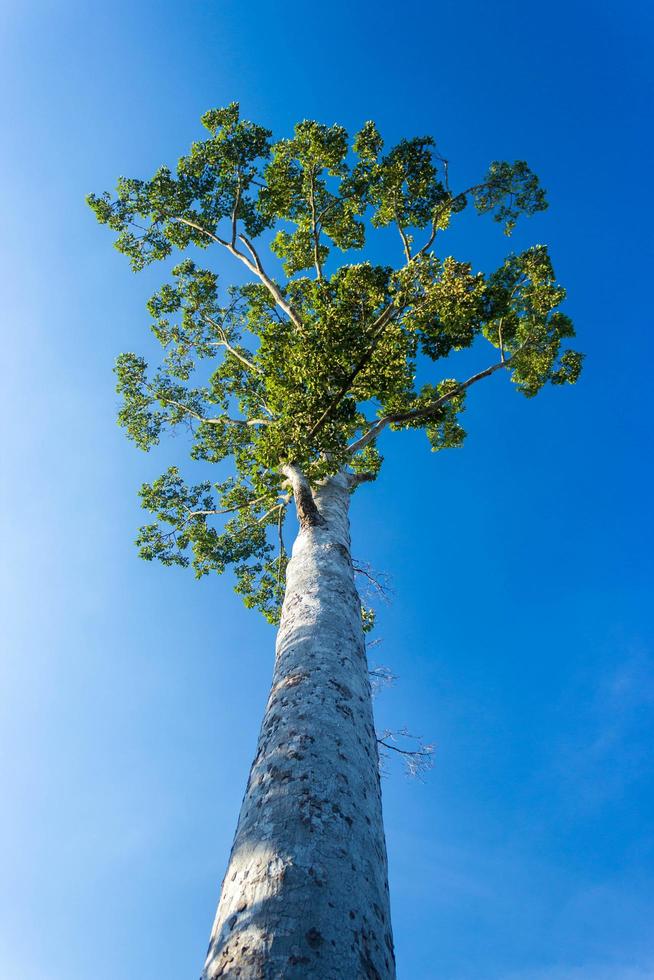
[290, 380]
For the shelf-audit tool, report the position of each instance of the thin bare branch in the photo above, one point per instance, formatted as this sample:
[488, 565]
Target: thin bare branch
[378, 580]
[416, 761]
[272, 510]
[380, 678]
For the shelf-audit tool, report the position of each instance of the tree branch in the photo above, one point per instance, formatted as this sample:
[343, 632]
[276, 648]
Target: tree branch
[218, 420]
[425, 412]
[314, 226]
[418, 760]
[225, 343]
[441, 209]
[378, 581]
[227, 510]
[403, 236]
[282, 548]
[253, 264]
[237, 201]
[380, 677]
[307, 512]
[272, 286]
[378, 329]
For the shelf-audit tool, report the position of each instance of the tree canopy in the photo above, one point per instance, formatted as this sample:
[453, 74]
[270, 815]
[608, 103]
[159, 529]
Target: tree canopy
[309, 366]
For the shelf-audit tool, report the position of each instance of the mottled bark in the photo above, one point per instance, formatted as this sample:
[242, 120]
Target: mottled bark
[307, 510]
[305, 894]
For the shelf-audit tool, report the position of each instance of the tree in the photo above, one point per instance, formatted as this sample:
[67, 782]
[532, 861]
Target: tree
[289, 380]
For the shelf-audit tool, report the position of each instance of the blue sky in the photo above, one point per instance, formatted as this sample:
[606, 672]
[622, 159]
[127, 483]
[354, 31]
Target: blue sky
[521, 566]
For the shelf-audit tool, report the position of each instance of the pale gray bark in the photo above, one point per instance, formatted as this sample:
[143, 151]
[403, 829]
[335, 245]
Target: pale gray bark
[305, 894]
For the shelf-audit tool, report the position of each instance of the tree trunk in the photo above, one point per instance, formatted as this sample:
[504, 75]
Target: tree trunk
[306, 894]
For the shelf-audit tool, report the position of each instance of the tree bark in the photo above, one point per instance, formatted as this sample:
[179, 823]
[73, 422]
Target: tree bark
[306, 894]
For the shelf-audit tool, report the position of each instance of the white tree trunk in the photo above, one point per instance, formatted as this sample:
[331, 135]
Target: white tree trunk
[306, 894]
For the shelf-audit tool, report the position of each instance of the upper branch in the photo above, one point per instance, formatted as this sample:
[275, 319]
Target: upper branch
[227, 510]
[253, 264]
[403, 235]
[425, 412]
[223, 342]
[237, 201]
[217, 420]
[273, 288]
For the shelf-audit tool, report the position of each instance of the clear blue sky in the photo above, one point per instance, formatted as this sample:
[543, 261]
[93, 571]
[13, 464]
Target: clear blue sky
[522, 565]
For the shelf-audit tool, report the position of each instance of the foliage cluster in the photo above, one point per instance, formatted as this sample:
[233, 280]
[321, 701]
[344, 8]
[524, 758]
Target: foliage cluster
[310, 366]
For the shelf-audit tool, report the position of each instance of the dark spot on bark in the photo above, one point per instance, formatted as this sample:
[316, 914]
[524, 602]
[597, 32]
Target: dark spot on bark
[311, 809]
[378, 911]
[281, 775]
[342, 689]
[232, 921]
[353, 914]
[298, 960]
[368, 968]
[314, 938]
